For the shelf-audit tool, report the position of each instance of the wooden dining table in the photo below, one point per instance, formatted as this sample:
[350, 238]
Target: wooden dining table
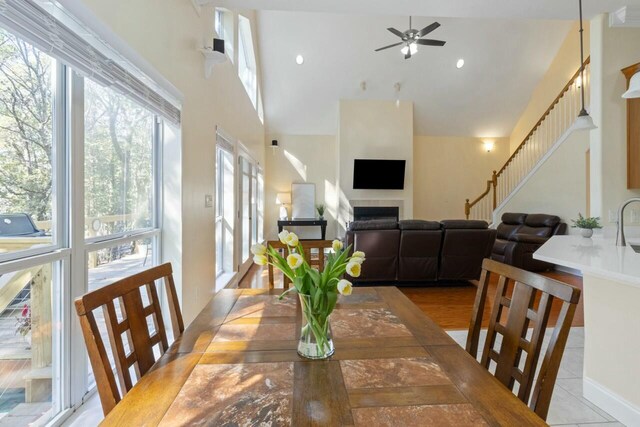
[237, 365]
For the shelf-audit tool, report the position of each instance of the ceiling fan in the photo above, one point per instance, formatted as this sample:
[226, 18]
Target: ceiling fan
[412, 38]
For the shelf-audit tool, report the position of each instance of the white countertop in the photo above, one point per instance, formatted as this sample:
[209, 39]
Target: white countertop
[597, 256]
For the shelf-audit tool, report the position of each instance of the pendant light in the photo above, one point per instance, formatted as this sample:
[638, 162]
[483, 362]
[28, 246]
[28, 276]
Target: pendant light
[634, 87]
[584, 120]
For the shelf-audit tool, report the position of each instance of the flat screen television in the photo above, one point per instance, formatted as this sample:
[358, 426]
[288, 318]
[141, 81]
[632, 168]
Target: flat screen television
[373, 174]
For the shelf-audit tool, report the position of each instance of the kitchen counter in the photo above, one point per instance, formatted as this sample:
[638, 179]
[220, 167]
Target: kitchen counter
[611, 297]
[596, 256]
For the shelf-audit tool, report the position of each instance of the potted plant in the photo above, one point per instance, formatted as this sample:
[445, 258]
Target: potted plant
[586, 225]
[320, 209]
[317, 291]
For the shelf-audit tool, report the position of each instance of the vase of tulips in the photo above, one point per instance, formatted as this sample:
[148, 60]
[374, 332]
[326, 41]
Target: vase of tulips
[318, 291]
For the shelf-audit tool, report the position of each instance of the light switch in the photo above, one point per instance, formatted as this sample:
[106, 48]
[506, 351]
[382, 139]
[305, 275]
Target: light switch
[208, 201]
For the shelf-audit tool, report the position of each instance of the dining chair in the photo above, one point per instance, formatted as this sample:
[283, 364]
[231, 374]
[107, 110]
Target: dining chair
[309, 247]
[125, 313]
[520, 314]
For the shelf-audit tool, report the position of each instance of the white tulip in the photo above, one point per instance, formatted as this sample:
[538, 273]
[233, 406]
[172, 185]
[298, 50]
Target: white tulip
[260, 259]
[358, 254]
[345, 287]
[353, 269]
[258, 249]
[337, 245]
[283, 235]
[295, 260]
[291, 240]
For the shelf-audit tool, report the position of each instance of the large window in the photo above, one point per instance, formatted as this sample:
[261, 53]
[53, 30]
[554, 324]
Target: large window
[118, 166]
[225, 211]
[247, 69]
[27, 181]
[223, 25]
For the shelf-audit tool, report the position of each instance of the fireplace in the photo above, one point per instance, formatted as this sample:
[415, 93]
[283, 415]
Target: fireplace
[363, 213]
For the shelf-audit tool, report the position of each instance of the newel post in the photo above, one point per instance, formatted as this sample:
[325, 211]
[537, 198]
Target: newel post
[494, 180]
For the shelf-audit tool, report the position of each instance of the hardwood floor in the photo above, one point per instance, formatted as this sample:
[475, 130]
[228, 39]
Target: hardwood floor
[449, 305]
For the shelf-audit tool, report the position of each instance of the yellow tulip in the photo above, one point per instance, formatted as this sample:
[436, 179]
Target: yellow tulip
[283, 235]
[291, 240]
[357, 260]
[260, 259]
[337, 245]
[295, 260]
[345, 287]
[258, 249]
[354, 269]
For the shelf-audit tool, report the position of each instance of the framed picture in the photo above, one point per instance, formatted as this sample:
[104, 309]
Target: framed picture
[303, 201]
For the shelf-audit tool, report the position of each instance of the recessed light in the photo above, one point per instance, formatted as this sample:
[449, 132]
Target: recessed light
[460, 63]
[299, 60]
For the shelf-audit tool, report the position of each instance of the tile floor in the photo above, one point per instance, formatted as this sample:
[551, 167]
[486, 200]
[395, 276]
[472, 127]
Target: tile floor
[568, 407]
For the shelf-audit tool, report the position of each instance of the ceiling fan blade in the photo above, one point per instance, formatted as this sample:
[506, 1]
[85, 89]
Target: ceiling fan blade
[396, 32]
[429, 42]
[408, 54]
[387, 47]
[426, 30]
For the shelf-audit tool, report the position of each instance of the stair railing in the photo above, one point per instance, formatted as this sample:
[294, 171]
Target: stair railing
[554, 123]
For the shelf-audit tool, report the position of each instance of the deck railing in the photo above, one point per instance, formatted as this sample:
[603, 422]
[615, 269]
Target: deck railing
[553, 124]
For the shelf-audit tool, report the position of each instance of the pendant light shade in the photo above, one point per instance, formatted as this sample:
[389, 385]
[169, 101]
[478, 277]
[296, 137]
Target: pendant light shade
[634, 87]
[584, 120]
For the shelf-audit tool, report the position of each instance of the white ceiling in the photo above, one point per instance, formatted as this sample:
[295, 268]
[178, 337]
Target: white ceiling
[527, 9]
[504, 60]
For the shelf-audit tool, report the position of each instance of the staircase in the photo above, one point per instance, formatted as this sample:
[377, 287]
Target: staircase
[547, 135]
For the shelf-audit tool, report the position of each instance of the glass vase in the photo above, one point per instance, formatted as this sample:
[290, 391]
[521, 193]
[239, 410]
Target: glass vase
[316, 341]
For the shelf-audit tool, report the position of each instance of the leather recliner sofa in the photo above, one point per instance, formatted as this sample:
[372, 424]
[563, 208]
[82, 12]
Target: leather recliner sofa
[421, 251]
[520, 235]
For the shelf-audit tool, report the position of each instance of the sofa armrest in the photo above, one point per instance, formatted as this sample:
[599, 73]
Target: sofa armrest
[528, 238]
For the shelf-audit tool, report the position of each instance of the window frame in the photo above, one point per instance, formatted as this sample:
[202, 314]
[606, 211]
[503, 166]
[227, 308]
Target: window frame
[246, 48]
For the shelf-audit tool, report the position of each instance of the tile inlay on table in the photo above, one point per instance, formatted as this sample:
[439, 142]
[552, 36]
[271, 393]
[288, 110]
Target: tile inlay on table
[392, 373]
[459, 415]
[243, 394]
[375, 322]
[256, 332]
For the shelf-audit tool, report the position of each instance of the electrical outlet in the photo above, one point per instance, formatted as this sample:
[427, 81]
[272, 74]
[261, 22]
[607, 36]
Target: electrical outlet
[613, 215]
[208, 201]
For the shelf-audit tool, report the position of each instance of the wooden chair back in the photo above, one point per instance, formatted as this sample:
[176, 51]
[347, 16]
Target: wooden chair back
[136, 351]
[521, 318]
[307, 246]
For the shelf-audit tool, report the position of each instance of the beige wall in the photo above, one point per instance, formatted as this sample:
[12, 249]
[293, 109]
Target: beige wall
[448, 170]
[167, 34]
[562, 68]
[301, 158]
[375, 130]
[554, 188]
[612, 50]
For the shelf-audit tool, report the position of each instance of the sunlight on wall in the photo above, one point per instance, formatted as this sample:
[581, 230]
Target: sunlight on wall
[331, 199]
[300, 167]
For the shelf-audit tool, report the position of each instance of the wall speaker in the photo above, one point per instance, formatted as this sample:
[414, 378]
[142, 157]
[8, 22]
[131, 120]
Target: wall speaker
[218, 45]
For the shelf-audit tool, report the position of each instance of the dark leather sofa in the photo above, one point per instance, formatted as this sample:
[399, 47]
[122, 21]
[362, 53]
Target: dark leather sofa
[520, 235]
[421, 251]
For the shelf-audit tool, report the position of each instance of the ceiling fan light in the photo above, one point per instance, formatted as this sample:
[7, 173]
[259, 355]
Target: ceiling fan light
[412, 47]
[404, 49]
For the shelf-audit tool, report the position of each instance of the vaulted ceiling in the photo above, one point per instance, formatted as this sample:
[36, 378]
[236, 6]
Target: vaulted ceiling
[507, 46]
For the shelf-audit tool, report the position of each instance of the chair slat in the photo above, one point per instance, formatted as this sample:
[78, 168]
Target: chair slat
[523, 317]
[307, 247]
[134, 324]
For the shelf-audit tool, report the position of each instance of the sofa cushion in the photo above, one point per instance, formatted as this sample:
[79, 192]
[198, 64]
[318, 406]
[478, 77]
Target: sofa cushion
[464, 224]
[513, 218]
[374, 224]
[542, 220]
[528, 238]
[418, 224]
[500, 246]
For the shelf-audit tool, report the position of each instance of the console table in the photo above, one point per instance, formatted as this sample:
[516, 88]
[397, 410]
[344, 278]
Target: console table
[322, 223]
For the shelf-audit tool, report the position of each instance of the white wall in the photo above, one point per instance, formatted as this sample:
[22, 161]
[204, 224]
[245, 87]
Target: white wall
[301, 158]
[448, 170]
[167, 34]
[611, 50]
[374, 130]
[559, 186]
